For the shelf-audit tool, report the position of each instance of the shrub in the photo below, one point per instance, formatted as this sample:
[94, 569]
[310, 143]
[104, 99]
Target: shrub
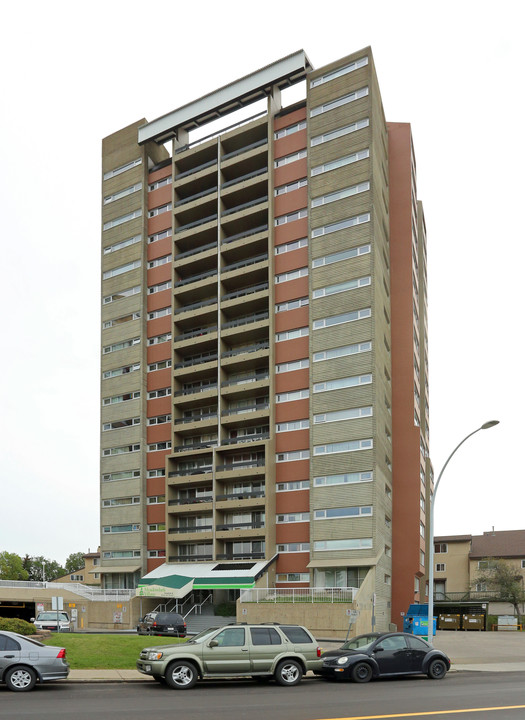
[226, 609]
[18, 626]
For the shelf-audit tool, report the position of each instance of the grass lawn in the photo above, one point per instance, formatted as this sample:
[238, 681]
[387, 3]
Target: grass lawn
[86, 651]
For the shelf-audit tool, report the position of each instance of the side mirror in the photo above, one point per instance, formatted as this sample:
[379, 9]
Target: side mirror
[380, 648]
[213, 643]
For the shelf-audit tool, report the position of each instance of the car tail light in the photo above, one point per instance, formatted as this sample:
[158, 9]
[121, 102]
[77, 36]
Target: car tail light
[319, 652]
[62, 653]
[154, 624]
[184, 624]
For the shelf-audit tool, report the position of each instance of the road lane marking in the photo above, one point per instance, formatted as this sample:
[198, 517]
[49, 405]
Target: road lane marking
[429, 712]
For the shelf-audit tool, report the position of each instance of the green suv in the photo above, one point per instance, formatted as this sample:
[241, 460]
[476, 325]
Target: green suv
[284, 652]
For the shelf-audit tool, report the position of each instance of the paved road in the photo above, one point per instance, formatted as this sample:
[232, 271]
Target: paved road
[460, 696]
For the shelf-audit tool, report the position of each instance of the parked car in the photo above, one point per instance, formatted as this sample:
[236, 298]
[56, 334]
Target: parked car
[384, 654]
[48, 621]
[24, 662]
[162, 623]
[266, 651]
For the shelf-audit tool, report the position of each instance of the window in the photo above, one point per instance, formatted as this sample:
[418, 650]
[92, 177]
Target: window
[291, 304]
[117, 502]
[121, 294]
[76, 578]
[290, 217]
[156, 499]
[342, 351]
[340, 194]
[293, 425]
[120, 345]
[293, 547]
[347, 544]
[121, 449]
[122, 193]
[161, 392]
[522, 564]
[159, 420]
[339, 132]
[343, 318]
[123, 475]
[343, 447]
[422, 529]
[440, 547]
[117, 372]
[284, 132]
[122, 219]
[159, 261]
[294, 517]
[120, 528]
[485, 564]
[343, 255]
[293, 485]
[293, 577]
[341, 225]
[157, 339]
[160, 183]
[290, 246]
[114, 322]
[157, 527]
[344, 479]
[441, 567]
[292, 456]
[114, 272]
[122, 244]
[265, 636]
[117, 424]
[340, 162]
[291, 334]
[345, 512]
[157, 472]
[342, 287]
[165, 445]
[337, 415]
[340, 71]
[292, 395]
[161, 365]
[156, 553]
[421, 558]
[230, 637]
[122, 168]
[159, 210]
[291, 275]
[121, 398]
[160, 287]
[287, 159]
[292, 365]
[121, 554]
[341, 383]
[162, 312]
[338, 102]
[289, 187]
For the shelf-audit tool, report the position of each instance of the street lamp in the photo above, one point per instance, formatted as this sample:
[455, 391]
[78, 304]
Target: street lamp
[485, 426]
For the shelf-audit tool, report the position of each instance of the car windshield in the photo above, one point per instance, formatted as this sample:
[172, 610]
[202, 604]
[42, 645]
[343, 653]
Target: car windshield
[52, 616]
[361, 642]
[202, 636]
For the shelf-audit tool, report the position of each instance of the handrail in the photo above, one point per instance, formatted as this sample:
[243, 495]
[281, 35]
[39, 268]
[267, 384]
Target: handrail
[194, 418]
[196, 306]
[245, 291]
[244, 263]
[199, 606]
[196, 169]
[247, 408]
[195, 446]
[245, 148]
[246, 379]
[193, 471]
[191, 528]
[191, 501]
[246, 439]
[196, 196]
[195, 333]
[193, 391]
[195, 251]
[195, 223]
[241, 178]
[195, 278]
[241, 495]
[241, 465]
[244, 206]
[256, 525]
[245, 320]
[245, 233]
[245, 349]
[195, 361]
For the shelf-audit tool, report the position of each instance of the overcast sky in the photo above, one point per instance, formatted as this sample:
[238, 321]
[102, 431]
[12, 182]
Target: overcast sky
[74, 73]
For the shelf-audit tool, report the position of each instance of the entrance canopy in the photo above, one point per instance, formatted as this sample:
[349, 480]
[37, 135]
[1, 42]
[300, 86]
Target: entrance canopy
[178, 579]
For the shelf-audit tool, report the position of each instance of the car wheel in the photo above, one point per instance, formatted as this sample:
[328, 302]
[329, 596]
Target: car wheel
[181, 675]
[288, 673]
[362, 672]
[437, 670]
[20, 679]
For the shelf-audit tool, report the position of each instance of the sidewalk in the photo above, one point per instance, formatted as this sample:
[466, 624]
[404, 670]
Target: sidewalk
[479, 651]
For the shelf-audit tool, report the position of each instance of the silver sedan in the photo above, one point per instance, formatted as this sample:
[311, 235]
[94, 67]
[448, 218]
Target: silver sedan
[24, 662]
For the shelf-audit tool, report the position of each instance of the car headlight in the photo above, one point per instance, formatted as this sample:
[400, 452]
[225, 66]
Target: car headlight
[153, 655]
[342, 660]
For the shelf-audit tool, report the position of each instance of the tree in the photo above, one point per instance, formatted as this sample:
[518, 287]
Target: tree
[40, 568]
[75, 562]
[506, 580]
[11, 567]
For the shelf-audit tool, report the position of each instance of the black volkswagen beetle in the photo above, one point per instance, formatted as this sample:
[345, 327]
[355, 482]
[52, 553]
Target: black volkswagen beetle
[377, 655]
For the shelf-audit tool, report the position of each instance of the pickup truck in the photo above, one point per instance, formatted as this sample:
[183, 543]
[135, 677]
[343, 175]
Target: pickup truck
[48, 621]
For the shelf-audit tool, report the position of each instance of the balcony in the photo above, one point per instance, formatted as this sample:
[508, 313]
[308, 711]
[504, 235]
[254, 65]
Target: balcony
[195, 278]
[242, 292]
[198, 332]
[245, 409]
[196, 306]
[195, 361]
[241, 556]
[192, 500]
[245, 233]
[245, 205]
[242, 495]
[194, 418]
[194, 446]
[246, 439]
[241, 465]
[195, 390]
[256, 525]
[196, 169]
[195, 223]
[255, 377]
[194, 251]
[195, 196]
[244, 178]
[244, 149]
[245, 263]
[190, 558]
[245, 349]
[191, 529]
[191, 471]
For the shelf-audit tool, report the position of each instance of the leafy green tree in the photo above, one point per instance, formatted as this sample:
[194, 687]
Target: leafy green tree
[40, 567]
[11, 567]
[506, 580]
[75, 562]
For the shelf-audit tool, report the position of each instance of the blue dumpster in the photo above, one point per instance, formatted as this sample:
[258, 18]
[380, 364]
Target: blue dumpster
[416, 620]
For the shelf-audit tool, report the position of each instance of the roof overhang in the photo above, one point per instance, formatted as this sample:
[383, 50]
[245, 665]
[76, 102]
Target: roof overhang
[178, 579]
[282, 73]
[116, 569]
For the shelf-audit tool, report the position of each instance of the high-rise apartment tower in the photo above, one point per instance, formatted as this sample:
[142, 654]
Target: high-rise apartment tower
[264, 344]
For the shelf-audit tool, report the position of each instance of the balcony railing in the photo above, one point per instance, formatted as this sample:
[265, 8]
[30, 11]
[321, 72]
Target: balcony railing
[241, 526]
[190, 558]
[245, 320]
[192, 501]
[196, 169]
[466, 595]
[241, 556]
[195, 361]
[246, 379]
[245, 233]
[246, 439]
[198, 195]
[195, 333]
[245, 349]
[194, 446]
[240, 465]
[195, 306]
[239, 151]
[194, 251]
[196, 223]
[248, 408]
[245, 206]
[242, 178]
[193, 418]
[193, 471]
[195, 278]
[245, 291]
[191, 529]
[245, 263]
[193, 391]
[299, 595]
[242, 495]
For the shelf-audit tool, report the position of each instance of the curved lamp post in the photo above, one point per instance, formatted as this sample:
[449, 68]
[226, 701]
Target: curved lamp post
[485, 426]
